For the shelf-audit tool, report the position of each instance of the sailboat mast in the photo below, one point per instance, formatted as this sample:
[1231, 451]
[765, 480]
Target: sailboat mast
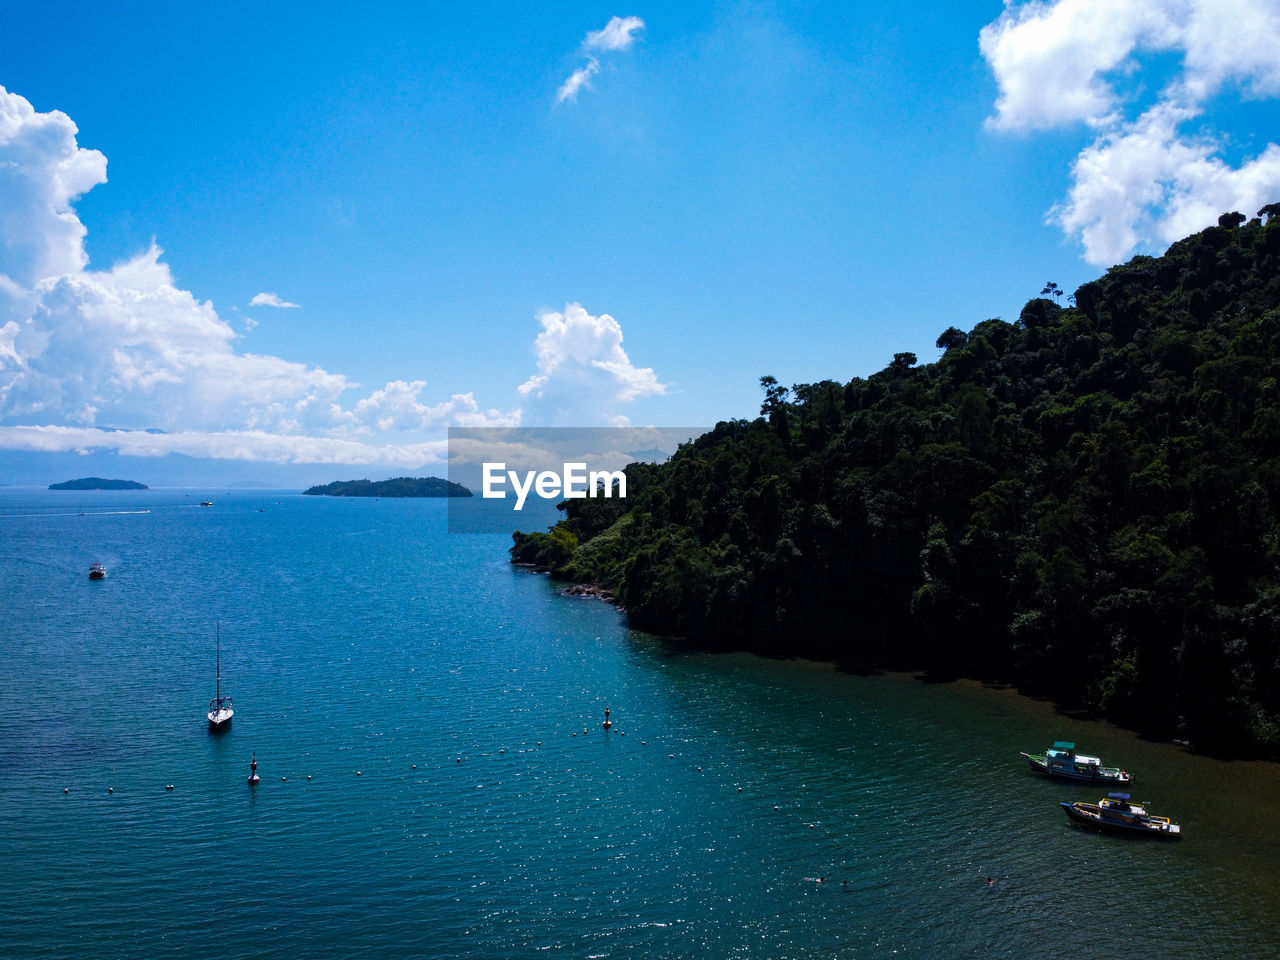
[219, 681]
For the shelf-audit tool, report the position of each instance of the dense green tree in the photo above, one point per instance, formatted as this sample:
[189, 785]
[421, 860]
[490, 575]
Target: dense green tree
[1085, 502]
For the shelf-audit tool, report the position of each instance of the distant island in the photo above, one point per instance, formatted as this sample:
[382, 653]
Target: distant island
[97, 483]
[399, 487]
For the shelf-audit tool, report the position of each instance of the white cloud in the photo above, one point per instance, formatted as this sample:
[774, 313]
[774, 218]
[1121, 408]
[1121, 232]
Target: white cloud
[577, 80]
[396, 407]
[583, 369]
[126, 348]
[618, 34]
[269, 300]
[128, 341]
[1142, 180]
[42, 172]
[1051, 59]
[1145, 182]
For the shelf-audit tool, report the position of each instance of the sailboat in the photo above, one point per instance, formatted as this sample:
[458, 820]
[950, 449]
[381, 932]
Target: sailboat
[220, 711]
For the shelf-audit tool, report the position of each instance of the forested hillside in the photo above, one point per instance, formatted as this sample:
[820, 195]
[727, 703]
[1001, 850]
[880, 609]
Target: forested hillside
[1083, 502]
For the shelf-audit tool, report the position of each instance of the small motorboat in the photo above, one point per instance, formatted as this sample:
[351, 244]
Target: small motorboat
[1117, 812]
[1061, 760]
[97, 571]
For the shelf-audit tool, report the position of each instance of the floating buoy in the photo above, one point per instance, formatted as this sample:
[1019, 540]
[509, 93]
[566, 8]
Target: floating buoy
[308, 776]
[66, 789]
[358, 773]
[253, 771]
[111, 789]
[283, 779]
[607, 722]
[415, 766]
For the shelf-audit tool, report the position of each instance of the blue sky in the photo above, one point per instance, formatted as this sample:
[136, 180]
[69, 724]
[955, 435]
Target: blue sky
[467, 235]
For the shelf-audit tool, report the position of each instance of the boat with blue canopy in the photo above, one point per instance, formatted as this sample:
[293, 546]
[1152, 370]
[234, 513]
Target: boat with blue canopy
[1062, 761]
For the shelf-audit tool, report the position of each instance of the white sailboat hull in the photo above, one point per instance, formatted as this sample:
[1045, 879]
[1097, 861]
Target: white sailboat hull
[220, 717]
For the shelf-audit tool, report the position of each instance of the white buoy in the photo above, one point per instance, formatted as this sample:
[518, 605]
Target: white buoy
[253, 771]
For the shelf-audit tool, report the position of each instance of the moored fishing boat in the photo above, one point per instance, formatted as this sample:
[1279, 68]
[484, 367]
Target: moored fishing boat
[1061, 760]
[1117, 812]
[97, 571]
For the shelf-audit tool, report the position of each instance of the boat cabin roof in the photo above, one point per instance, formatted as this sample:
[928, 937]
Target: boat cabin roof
[1124, 797]
[1063, 745]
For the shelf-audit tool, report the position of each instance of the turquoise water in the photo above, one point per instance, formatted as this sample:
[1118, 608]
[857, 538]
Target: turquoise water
[436, 781]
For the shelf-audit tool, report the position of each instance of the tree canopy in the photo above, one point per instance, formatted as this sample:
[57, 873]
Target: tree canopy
[1084, 502]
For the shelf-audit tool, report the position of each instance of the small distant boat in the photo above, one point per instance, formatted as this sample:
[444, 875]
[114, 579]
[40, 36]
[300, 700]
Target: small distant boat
[97, 571]
[206, 503]
[220, 712]
[1117, 812]
[1061, 760]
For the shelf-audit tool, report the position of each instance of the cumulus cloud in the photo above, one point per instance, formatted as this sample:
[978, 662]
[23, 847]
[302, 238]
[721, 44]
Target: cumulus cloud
[1143, 179]
[128, 341]
[269, 300]
[397, 407]
[83, 350]
[127, 347]
[42, 173]
[618, 34]
[583, 369]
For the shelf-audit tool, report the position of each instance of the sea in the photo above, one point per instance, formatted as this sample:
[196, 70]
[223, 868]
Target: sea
[436, 779]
